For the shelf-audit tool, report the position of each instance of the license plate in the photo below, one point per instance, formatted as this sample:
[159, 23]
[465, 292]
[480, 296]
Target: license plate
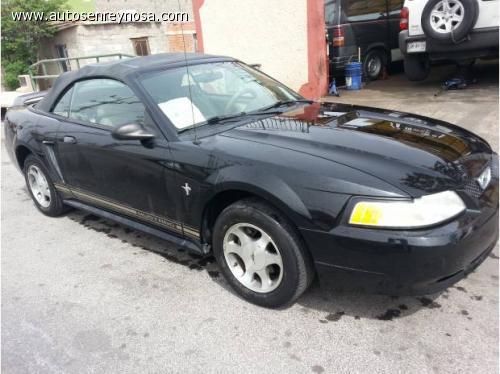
[413, 47]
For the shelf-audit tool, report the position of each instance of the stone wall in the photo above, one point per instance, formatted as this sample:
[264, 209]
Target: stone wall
[156, 6]
[97, 39]
[88, 39]
[181, 36]
[84, 39]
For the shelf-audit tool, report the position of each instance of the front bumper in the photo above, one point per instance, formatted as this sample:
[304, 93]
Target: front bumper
[480, 43]
[405, 262]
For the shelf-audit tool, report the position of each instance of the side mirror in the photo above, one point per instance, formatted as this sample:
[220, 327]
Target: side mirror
[131, 131]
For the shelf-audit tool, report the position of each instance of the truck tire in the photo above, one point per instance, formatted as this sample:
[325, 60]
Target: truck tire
[417, 67]
[449, 21]
[374, 63]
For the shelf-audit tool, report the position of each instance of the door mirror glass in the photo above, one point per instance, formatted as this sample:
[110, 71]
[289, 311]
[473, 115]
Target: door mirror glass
[131, 131]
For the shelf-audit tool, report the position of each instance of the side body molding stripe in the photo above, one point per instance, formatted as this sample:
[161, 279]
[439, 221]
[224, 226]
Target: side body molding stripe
[140, 215]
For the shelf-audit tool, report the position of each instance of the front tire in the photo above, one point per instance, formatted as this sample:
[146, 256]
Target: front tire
[261, 255]
[41, 188]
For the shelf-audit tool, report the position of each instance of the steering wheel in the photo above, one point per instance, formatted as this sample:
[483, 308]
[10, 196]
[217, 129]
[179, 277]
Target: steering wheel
[239, 96]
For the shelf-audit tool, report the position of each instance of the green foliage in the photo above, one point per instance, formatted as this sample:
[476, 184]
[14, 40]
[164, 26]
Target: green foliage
[21, 39]
[81, 5]
[12, 69]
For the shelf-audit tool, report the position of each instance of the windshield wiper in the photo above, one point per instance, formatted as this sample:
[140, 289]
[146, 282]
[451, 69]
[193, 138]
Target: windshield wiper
[220, 119]
[281, 103]
[216, 120]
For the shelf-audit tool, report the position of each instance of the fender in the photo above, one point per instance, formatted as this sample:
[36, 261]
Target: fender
[268, 187]
[27, 134]
[379, 45]
[46, 158]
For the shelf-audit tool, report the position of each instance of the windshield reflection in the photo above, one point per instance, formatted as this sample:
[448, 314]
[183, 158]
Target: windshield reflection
[191, 95]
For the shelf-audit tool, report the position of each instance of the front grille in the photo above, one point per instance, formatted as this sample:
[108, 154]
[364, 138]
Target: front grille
[473, 188]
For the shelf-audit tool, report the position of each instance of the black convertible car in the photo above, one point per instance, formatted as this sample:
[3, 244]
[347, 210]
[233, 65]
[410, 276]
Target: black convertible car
[214, 155]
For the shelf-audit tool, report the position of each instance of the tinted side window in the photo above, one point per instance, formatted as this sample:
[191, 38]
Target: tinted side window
[364, 10]
[63, 105]
[106, 102]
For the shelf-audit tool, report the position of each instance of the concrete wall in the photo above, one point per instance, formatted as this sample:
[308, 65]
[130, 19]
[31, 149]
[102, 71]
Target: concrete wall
[177, 37]
[115, 38]
[98, 39]
[259, 31]
[93, 39]
[85, 39]
[287, 38]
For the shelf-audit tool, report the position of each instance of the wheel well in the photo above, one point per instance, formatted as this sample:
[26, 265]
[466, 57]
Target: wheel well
[21, 153]
[220, 202]
[382, 48]
[215, 206]
[223, 199]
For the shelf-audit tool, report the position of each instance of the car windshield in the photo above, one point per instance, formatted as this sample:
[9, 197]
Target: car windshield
[199, 93]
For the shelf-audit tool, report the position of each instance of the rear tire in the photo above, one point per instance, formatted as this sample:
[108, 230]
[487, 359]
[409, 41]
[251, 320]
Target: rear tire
[41, 188]
[417, 67]
[237, 233]
[374, 64]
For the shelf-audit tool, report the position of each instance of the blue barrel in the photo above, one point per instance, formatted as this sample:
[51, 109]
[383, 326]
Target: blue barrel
[353, 74]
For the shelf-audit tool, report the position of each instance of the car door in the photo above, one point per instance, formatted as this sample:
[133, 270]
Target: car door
[129, 177]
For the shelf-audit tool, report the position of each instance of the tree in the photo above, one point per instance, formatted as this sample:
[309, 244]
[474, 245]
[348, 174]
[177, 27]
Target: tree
[21, 39]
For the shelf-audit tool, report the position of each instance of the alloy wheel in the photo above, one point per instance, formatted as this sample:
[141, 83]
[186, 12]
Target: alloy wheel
[39, 186]
[253, 257]
[446, 16]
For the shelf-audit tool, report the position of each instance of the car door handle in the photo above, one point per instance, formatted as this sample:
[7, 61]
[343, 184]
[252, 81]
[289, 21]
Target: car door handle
[48, 142]
[69, 139]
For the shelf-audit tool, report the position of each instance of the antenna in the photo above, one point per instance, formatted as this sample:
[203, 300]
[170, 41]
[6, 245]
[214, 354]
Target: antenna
[196, 141]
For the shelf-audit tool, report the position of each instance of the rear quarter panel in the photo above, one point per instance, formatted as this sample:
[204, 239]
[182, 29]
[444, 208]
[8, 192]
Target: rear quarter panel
[415, 7]
[24, 127]
[488, 14]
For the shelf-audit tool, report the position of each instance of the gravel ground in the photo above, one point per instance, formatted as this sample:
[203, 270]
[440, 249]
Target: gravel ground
[85, 295]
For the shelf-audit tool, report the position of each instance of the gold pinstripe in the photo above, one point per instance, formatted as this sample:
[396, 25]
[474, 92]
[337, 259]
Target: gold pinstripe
[61, 188]
[191, 232]
[125, 209]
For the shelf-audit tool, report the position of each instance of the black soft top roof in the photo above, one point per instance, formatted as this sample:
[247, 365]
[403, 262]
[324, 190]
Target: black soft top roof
[123, 70]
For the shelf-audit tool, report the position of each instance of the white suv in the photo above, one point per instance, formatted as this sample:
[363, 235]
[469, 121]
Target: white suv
[456, 30]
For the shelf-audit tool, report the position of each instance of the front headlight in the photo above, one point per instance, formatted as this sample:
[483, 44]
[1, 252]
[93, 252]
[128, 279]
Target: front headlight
[425, 211]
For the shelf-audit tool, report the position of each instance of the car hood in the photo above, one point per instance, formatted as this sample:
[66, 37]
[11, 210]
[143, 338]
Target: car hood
[418, 155]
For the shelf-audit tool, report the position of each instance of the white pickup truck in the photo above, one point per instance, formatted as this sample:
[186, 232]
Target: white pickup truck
[454, 30]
